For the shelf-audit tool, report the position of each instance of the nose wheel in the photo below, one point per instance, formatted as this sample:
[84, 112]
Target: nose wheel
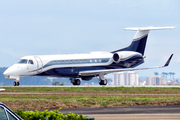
[16, 83]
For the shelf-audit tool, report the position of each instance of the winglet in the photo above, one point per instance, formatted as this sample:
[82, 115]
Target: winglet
[167, 63]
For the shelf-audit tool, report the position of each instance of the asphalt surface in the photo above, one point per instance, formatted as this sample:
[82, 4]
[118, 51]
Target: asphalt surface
[171, 112]
[135, 116]
[171, 109]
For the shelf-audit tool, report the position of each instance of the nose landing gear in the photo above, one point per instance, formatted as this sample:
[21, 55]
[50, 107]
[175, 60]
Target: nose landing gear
[16, 83]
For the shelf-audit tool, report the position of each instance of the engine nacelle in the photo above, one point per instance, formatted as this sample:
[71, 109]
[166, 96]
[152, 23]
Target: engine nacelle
[116, 57]
[124, 55]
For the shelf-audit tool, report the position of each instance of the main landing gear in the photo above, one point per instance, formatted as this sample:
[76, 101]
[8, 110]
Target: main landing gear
[75, 81]
[102, 80]
[16, 83]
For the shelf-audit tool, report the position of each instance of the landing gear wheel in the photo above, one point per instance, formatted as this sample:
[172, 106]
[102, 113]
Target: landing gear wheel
[77, 82]
[103, 82]
[17, 83]
[14, 83]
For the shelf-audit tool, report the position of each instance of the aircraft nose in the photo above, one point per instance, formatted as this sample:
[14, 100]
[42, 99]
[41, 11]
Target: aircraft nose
[6, 72]
[9, 71]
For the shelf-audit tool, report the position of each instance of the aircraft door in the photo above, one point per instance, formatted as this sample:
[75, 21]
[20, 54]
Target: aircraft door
[39, 64]
[31, 66]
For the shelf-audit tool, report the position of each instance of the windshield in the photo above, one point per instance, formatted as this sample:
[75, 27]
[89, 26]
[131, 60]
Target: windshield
[23, 61]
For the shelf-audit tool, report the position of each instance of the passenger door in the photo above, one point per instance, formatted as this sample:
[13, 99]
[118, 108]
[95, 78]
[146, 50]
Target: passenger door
[39, 64]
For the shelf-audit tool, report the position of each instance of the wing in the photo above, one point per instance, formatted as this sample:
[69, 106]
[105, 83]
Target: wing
[97, 72]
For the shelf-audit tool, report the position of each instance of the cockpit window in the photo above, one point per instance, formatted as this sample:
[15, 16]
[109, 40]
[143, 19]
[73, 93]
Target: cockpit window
[30, 62]
[23, 61]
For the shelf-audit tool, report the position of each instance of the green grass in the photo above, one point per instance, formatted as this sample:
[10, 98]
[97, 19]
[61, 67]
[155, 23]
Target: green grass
[70, 100]
[138, 90]
[91, 100]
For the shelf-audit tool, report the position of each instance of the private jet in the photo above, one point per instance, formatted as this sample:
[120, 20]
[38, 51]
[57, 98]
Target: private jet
[79, 67]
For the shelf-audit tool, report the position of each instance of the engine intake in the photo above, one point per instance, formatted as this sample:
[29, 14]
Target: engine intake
[116, 58]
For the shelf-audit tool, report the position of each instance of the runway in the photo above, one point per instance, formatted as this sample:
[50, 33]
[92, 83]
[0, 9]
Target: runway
[170, 109]
[171, 112]
[135, 117]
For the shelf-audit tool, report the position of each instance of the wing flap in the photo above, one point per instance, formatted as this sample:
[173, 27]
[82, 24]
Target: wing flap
[97, 72]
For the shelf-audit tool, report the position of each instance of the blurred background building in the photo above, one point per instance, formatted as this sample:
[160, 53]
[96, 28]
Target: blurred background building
[156, 80]
[123, 79]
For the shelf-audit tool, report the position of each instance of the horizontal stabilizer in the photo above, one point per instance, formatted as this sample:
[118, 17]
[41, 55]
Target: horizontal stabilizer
[148, 28]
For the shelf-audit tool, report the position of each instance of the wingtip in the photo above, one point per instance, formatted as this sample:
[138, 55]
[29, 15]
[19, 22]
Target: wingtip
[168, 61]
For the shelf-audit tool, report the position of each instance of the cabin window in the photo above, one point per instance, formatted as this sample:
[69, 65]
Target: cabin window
[66, 61]
[95, 60]
[99, 60]
[23, 61]
[30, 62]
[71, 61]
[76, 61]
[91, 61]
[85, 60]
[63, 61]
[59, 61]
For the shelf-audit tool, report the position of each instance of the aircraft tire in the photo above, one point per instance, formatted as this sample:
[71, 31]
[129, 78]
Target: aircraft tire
[78, 82]
[17, 83]
[103, 82]
[14, 83]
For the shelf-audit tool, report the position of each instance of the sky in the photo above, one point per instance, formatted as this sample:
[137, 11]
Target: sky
[42, 27]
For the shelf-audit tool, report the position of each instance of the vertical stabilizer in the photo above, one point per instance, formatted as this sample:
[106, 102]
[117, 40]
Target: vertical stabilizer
[139, 41]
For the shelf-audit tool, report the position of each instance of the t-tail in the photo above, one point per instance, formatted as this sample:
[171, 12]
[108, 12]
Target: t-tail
[139, 41]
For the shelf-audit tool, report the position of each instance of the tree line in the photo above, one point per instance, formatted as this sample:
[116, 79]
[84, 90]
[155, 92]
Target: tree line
[166, 74]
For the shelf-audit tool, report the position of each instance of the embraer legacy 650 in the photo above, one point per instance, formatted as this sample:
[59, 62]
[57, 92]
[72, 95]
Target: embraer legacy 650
[79, 67]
